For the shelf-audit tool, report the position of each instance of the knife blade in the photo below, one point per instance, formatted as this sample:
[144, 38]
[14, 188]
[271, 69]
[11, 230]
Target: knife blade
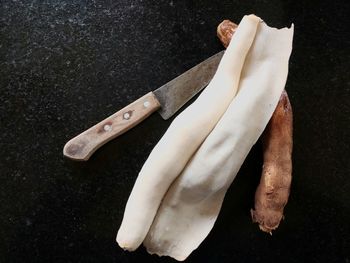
[167, 100]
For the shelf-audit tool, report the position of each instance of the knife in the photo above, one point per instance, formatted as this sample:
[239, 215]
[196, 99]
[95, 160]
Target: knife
[167, 100]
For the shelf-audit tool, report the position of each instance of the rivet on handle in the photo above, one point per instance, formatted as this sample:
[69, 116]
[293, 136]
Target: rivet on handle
[107, 127]
[126, 116]
[146, 104]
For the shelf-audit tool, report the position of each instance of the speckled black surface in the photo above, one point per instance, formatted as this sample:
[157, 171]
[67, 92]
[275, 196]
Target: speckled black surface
[65, 65]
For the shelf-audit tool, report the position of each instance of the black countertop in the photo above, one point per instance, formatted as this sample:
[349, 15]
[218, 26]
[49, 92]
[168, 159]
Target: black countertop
[66, 65]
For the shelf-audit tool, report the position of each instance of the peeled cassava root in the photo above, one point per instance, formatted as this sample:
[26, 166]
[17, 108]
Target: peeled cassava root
[273, 191]
[182, 139]
[180, 189]
[192, 203]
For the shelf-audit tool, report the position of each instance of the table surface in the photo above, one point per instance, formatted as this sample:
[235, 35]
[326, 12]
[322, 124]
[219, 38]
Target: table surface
[66, 65]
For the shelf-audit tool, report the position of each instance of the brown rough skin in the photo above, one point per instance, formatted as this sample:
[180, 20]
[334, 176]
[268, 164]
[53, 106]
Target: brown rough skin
[273, 191]
[272, 194]
[225, 31]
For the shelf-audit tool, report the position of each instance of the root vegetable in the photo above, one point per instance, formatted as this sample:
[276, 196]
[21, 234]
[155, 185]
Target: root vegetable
[225, 31]
[192, 204]
[272, 193]
[182, 139]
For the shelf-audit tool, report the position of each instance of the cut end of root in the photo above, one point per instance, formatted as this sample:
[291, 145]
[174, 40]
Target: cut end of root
[263, 224]
[225, 31]
[125, 245]
[266, 229]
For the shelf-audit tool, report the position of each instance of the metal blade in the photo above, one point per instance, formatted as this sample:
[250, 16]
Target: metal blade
[174, 94]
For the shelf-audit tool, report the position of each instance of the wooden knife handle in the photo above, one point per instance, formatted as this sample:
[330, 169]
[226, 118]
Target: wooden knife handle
[85, 144]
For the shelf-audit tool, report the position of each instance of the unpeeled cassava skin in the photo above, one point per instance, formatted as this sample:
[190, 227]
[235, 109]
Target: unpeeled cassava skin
[273, 191]
[182, 139]
[192, 204]
[225, 31]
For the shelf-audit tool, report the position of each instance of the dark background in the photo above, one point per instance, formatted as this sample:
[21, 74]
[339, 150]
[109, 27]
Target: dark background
[65, 65]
